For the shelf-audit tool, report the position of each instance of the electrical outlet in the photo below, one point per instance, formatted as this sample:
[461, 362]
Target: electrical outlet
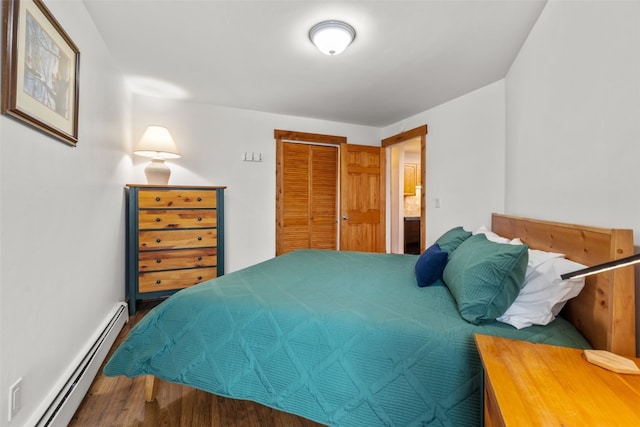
[15, 398]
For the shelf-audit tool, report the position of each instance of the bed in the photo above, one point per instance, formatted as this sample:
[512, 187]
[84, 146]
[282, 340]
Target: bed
[349, 339]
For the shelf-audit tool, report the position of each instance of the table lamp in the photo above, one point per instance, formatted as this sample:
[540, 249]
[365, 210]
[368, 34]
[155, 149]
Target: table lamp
[157, 144]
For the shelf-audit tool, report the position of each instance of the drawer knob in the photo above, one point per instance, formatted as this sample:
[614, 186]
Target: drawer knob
[158, 240]
[158, 281]
[199, 218]
[199, 237]
[199, 199]
[158, 260]
[199, 277]
[158, 219]
[199, 258]
[158, 199]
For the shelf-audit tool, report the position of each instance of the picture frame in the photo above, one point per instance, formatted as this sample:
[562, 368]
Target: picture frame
[40, 70]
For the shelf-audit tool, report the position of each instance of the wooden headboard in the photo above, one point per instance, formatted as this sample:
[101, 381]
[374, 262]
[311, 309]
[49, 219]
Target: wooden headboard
[604, 312]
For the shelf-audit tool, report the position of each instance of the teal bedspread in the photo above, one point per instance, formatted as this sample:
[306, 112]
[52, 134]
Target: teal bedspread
[341, 338]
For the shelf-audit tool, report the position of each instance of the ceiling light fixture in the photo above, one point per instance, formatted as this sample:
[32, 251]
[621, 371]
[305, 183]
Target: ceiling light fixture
[332, 37]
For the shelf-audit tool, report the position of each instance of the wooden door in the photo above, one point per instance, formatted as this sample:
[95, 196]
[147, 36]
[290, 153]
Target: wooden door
[362, 198]
[307, 209]
[323, 207]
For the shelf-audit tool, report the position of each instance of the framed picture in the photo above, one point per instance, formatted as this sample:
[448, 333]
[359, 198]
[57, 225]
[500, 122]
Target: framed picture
[40, 70]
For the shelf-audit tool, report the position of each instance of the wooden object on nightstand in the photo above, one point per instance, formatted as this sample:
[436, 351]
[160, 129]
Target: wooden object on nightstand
[527, 384]
[175, 239]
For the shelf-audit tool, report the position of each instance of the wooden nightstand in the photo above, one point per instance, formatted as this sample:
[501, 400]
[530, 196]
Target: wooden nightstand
[528, 384]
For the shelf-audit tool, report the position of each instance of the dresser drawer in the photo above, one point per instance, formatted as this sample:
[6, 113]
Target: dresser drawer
[175, 279]
[176, 218]
[182, 258]
[176, 199]
[176, 239]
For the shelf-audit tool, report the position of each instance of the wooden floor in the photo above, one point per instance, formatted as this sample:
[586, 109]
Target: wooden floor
[120, 402]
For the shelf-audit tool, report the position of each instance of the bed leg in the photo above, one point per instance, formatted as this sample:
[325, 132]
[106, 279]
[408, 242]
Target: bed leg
[151, 388]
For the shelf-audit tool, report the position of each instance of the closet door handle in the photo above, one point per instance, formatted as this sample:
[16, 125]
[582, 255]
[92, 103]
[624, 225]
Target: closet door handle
[345, 217]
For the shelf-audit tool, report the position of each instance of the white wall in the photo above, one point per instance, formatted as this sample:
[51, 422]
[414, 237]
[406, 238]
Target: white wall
[212, 140]
[464, 159]
[573, 118]
[395, 187]
[62, 222]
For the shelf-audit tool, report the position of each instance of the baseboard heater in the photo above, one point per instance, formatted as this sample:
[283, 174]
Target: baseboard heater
[68, 399]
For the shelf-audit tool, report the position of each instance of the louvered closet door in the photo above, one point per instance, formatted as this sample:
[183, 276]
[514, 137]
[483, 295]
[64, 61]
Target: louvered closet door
[307, 211]
[323, 206]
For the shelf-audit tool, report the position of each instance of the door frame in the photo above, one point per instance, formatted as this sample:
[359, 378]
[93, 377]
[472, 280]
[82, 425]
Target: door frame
[418, 132]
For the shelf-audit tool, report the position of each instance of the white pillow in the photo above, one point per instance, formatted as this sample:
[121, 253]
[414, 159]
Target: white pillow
[490, 235]
[536, 258]
[543, 293]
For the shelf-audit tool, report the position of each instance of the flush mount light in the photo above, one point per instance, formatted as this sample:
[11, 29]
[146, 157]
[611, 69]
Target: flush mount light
[332, 37]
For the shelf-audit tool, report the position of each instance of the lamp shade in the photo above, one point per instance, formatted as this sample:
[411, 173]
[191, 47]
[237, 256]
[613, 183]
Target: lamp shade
[332, 37]
[157, 142]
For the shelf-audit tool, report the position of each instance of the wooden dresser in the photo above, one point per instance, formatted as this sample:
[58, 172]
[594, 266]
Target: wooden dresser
[527, 384]
[175, 239]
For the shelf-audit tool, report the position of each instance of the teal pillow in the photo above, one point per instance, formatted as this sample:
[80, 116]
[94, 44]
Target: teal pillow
[450, 240]
[485, 277]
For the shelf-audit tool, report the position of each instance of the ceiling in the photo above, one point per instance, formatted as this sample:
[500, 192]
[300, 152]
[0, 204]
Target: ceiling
[408, 56]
